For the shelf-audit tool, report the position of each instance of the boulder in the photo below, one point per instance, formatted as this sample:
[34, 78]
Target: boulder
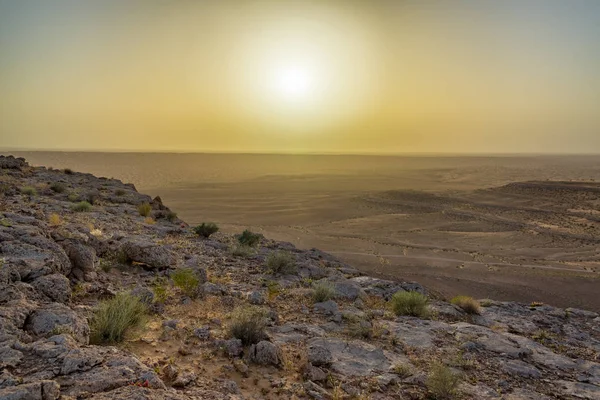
[56, 287]
[82, 257]
[55, 318]
[149, 253]
[265, 353]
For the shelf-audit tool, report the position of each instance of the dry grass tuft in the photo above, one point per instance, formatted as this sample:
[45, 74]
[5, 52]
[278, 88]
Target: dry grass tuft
[116, 317]
[410, 303]
[54, 219]
[248, 323]
[282, 262]
[468, 304]
[144, 209]
[442, 383]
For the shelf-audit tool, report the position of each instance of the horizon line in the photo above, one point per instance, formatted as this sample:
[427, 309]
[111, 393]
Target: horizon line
[300, 153]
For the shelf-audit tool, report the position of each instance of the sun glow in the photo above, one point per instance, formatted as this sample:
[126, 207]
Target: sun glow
[293, 83]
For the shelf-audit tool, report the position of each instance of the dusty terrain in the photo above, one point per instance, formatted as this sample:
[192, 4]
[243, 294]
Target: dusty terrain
[59, 263]
[458, 225]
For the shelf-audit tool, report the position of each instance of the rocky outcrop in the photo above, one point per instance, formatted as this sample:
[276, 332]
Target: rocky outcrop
[54, 272]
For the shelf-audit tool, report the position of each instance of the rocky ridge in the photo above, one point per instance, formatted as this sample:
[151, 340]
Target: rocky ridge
[57, 264]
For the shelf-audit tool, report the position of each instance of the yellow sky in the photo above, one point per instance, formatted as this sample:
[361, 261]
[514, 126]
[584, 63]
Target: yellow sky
[295, 76]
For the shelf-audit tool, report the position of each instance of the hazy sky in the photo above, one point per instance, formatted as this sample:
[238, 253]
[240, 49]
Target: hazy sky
[293, 76]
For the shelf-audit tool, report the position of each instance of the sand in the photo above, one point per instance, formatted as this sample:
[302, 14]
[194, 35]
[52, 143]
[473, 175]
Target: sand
[458, 225]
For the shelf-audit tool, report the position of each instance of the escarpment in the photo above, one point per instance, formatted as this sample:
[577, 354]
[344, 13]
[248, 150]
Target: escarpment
[106, 294]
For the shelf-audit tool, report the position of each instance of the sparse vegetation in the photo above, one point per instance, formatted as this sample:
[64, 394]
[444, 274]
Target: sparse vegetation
[281, 262]
[206, 229]
[249, 238]
[248, 323]
[58, 187]
[149, 221]
[410, 303]
[171, 216]
[82, 206]
[160, 290]
[442, 383]
[186, 280]
[29, 191]
[403, 370]
[68, 171]
[240, 250]
[323, 291]
[116, 317]
[73, 197]
[54, 219]
[468, 304]
[120, 192]
[144, 209]
[5, 223]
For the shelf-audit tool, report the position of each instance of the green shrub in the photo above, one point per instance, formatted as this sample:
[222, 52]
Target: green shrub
[116, 317]
[442, 383]
[144, 209]
[160, 290]
[248, 323]
[171, 216]
[248, 238]
[206, 229]
[468, 304]
[402, 370]
[282, 262]
[73, 197]
[187, 280]
[410, 303]
[58, 187]
[29, 191]
[323, 291]
[68, 171]
[241, 250]
[82, 206]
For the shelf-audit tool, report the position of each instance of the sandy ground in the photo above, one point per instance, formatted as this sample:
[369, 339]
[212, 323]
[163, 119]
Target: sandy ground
[458, 225]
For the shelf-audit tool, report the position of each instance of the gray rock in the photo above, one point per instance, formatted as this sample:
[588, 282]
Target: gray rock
[319, 355]
[148, 253]
[202, 333]
[328, 307]
[40, 390]
[211, 288]
[314, 374]
[56, 318]
[146, 295]
[82, 257]
[256, 298]
[172, 323]
[184, 379]
[578, 390]
[265, 353]
[520, 368]
[233, 347]
[56, 287]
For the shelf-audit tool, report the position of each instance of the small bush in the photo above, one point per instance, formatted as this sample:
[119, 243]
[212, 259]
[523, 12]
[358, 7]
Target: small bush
[403, 370]
[73, 197]
[468, 304]
[54, 219]
[323, 291]
[248, 238]
[160, 290]
[149, 221]
[171, 216]
[206, 229]
[106, 265]
[187, 281]
[58, 187]
[241, 250]
[442, 383]
[410, 303]
[29, 191]
[82, 206]
[68, 171]
[116, 317]
[282, 262]
[120, 192]
[248, 323]
[144, 209]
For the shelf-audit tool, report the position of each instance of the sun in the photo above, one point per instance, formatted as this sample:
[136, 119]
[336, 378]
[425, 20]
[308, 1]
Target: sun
[293, 83]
